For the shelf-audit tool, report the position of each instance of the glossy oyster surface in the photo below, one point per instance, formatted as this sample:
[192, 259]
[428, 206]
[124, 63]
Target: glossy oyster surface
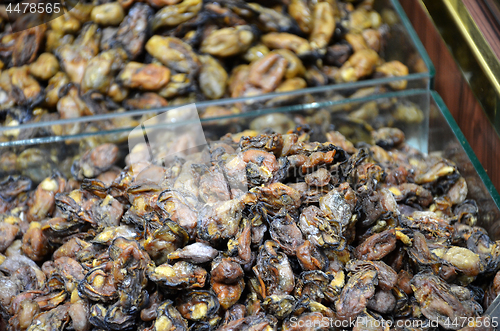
[271, 232]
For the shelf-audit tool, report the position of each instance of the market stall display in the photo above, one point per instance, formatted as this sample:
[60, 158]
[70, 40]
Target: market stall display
[266, 226]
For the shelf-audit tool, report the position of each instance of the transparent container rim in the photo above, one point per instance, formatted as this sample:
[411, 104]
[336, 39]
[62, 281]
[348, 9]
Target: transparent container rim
[219, 102]
[253, 113]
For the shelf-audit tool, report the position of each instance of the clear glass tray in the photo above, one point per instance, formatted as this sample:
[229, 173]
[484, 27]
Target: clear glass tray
[402, 45]
[39, 157]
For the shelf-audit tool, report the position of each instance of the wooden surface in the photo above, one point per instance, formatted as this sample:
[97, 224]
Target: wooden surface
[486, 14]
[456, 93]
